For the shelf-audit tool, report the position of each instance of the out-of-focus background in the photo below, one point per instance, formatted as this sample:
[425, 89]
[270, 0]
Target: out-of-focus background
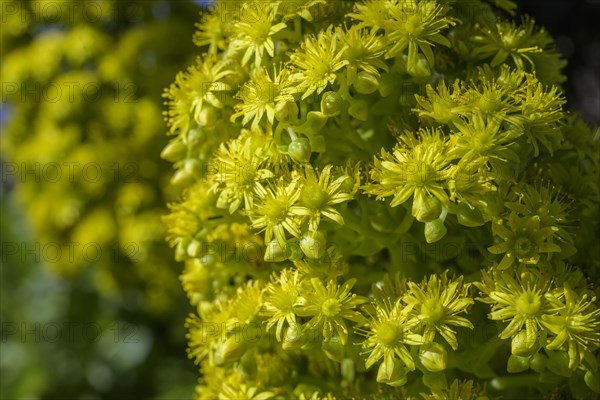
[575, 25]
[90, 304]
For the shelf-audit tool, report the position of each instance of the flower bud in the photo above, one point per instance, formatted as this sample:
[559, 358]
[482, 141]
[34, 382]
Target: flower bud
[392, 372]
[419, 69]
[435, 230]
[181, 178]
[195, 137]
[333, 348]
[426, 208]
[331, 104]
[275, 252]
[194, 248]
[247, 365]
[286, 111]
[174, 151]
[293, 338]
[387, 84]
[293, 251]
[300, 150]
[316, 120]
[192, 166]
[433, 356]
[347, 185]
[231, 350]
[558, 362]
[207, 117]
[469, 217]
[592, 380]
[359, 110]
[366, 83]
[517, 364]
[347, 370]
[313, 244]
[524, 346]
[538, 362]
[181, 249]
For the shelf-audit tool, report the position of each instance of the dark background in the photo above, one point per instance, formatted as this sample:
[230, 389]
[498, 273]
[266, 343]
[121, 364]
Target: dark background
[575, 25]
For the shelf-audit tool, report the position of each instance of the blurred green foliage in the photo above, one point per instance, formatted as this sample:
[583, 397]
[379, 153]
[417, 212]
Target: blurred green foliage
[91, 301]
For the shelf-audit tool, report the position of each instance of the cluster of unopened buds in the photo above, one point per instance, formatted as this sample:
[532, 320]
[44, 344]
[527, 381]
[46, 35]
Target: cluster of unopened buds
[317, 146]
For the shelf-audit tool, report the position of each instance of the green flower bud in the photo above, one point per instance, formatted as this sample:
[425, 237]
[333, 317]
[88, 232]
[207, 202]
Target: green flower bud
[347, 185]
[300, 150]
[181, 178]
[207, 117]
[558, 362]
[435, 230]
[275, 252]
[592, 380]
[434, 357]
[174, 151]
[436, 381]
[517, 364]
[181, 249]
[247, 365]
[426, 208]
[195, 137]
[313, 244]
[331, 104]
[538, 362]
[293, 338]
[469, 217]
[333, 348]
[348, 371]
[192, 166]
[194, 249]
[387, 84]
[316, 120]
[231, 350]
[305, 390]
[286, 111]
[524, 346]
[366, 83]
[209, 260]
[293, 251]
[359, 110]
[420, 69]
[392, 372]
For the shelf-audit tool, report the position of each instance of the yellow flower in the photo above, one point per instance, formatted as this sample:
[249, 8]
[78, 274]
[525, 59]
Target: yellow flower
[260, 94]
[279, 300]
[436, 303]
[237, 170]
[388, 335]
[319, 194]
[201, 86]
[276, 212]
[317, 61]
[254, 31]
[418, 167]
[364, 50]
[329, 306]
